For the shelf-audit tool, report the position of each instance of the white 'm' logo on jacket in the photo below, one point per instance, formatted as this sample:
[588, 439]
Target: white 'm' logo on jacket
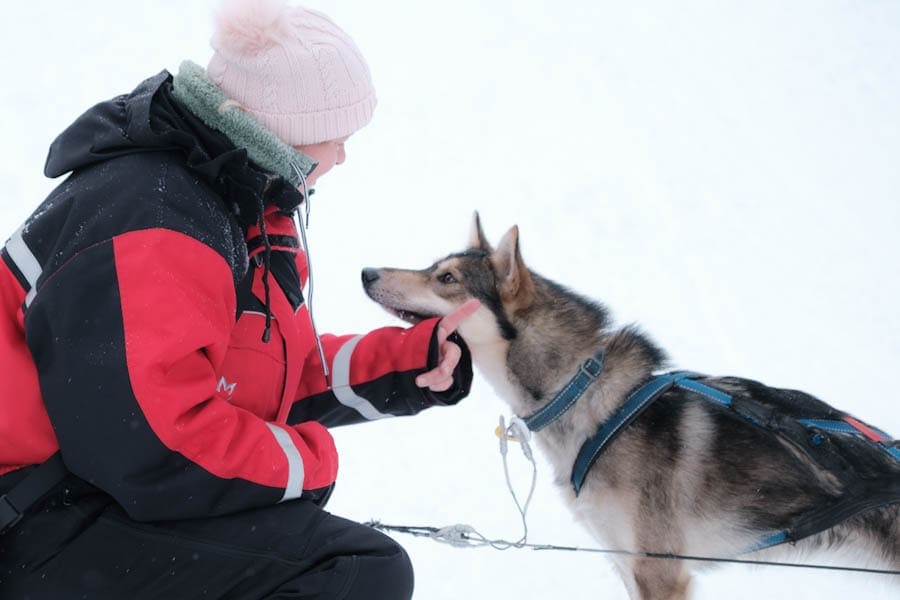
[225, 387]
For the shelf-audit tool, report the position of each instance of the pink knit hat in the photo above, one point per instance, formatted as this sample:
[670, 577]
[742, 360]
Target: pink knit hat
[291, 68]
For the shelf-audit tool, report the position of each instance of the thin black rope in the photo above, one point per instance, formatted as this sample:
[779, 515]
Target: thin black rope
[267, 261]
[424, 531]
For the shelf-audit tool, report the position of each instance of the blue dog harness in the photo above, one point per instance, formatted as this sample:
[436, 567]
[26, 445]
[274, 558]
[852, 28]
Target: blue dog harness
[863, 495]
[631, 409]
[588, 372]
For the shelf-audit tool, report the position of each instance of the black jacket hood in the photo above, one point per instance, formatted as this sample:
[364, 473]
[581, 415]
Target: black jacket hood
[150, 119]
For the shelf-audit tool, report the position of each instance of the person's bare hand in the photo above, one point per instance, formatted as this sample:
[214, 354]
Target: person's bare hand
[440, 378]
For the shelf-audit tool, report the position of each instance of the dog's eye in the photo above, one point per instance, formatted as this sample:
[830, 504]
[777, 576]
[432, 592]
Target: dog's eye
[447, 278]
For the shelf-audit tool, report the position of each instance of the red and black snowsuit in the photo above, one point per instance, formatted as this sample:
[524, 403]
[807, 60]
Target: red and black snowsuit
[132, 313]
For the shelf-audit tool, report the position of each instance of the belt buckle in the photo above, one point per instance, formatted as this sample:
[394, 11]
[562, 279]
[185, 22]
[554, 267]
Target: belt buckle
[9, 514]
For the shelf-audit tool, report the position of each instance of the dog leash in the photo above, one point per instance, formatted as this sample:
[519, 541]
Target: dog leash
[465, 536]
[459, 537]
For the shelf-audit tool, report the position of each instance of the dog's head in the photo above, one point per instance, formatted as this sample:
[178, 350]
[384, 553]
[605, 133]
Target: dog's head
[497, 277]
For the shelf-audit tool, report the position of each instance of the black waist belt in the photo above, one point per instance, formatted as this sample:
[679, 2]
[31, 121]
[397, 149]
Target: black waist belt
[30, 490]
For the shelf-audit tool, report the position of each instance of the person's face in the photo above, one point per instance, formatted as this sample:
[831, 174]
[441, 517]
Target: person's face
[327, 154]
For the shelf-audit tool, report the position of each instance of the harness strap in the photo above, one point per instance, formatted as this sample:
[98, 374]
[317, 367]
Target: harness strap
[852, 426]
[873, 494]
[32, 488]
[631, 409]
[588, 372]
[870, 495]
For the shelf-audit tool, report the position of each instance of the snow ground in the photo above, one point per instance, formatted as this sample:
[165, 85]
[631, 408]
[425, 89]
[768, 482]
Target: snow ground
[723, 173]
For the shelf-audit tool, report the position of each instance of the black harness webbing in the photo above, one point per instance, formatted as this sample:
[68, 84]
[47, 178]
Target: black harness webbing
[865, 496]
[30, 490]
[866, 486]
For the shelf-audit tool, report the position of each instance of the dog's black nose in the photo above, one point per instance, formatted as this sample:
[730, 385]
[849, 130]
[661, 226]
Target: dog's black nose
[369, 275]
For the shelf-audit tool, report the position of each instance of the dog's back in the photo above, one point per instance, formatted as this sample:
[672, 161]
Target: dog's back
[774, 460]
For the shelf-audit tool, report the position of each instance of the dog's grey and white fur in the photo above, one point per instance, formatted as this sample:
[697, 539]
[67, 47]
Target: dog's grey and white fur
[687, 477]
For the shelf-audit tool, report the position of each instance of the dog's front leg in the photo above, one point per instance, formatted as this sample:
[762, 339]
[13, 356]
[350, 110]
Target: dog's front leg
[659, 579]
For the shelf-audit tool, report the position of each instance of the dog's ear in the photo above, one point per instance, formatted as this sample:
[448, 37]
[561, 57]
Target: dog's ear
[515, 285]
[477, 240]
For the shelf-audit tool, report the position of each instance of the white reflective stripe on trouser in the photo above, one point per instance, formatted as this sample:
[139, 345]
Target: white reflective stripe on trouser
[340, 374]
[294, 487]
[25, 261]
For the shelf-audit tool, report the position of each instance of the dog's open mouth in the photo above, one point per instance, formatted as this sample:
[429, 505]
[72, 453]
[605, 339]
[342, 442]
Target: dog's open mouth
[408, 315]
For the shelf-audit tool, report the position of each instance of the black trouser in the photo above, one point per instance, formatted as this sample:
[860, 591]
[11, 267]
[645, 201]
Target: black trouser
[78, 543]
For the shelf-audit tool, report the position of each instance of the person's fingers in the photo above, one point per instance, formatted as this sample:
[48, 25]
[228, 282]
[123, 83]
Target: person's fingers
[434, 379]
[441, 386]
[450, 357]
[450, 322]
[426, 379]
[441, 377]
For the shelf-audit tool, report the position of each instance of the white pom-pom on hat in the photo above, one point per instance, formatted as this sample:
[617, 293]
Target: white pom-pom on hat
[250, 26]
[291, 68]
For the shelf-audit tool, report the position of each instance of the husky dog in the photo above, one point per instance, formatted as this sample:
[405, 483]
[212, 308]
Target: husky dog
[687, 476]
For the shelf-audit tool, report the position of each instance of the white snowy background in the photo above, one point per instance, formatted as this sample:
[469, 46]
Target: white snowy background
[724, 173]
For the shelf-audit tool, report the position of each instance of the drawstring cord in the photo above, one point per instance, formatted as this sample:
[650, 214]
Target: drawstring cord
[301, 226]
[267, 255]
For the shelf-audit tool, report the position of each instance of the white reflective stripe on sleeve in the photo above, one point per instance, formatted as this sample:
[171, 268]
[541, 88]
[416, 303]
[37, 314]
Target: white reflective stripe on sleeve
[25, 261]
[340, 373]
[294, 487]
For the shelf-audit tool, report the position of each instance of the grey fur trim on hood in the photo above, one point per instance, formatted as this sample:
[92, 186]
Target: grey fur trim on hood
[202, 97]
